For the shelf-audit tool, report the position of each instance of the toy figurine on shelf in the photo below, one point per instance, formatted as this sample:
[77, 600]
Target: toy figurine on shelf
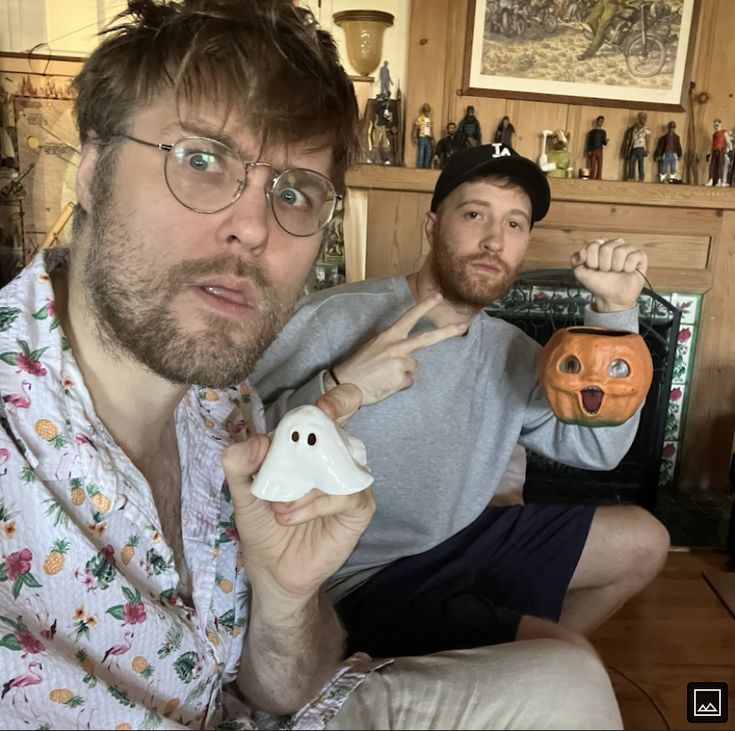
[720, 156]
[668, 153]
[543, 160]
[447, 146]
[504, 133]
[380, 128]
[596, 140]
[469, 129]
[635, 147]
[385, 80]
[559, 155]
[555, 159]
[422, 136]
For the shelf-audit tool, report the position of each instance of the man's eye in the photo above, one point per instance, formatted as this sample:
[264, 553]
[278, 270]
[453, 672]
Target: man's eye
[293, 197]
[204, 162]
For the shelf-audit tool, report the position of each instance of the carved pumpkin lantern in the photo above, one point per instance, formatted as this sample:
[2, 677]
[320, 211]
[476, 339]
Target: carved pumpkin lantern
[595, 376]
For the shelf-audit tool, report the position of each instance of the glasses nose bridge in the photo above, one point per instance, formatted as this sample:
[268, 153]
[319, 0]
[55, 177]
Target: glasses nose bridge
[270, 182]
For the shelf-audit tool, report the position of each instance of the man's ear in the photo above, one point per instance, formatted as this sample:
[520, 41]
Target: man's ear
[85, 174]
[430, 224]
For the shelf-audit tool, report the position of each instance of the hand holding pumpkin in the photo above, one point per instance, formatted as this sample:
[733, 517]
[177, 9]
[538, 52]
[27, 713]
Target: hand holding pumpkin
[611, 271]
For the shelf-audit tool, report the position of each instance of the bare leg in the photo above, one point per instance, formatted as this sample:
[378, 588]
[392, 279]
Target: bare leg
[626, 548]
[535, 628]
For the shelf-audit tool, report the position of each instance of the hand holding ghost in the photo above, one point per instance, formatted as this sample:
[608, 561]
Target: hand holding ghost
[294, 640]
[290, 548]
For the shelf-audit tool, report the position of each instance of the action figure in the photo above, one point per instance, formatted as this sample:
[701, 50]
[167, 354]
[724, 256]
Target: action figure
[668, 153]
[720, 157]
[635, 147]
[379, 132]
[447, 146]
[423, 137]
[385, 80]
[596, 140]
[504, 133]
[469, 129]
[559, 156]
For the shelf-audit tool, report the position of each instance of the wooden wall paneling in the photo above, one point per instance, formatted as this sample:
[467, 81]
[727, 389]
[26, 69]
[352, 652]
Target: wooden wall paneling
[394, 232]
[454, 60]
[426, 76]
[657, 222]
[663, 250]
[710, 422]
[355, 234]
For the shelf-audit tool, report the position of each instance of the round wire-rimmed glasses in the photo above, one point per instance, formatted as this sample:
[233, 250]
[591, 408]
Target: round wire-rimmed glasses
[206, 176]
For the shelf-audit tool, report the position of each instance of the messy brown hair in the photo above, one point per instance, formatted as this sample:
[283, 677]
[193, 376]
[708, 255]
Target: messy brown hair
[265, 61]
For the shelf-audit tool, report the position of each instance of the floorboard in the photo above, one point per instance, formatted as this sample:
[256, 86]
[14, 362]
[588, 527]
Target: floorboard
[675, 632]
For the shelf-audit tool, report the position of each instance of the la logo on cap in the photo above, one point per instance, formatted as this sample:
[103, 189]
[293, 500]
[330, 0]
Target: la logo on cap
[500, 150]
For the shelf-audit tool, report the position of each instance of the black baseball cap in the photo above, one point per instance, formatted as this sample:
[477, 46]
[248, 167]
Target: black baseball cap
[475, 162]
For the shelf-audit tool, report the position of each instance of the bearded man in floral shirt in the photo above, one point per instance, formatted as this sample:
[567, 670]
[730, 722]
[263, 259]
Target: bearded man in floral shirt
[214, 134]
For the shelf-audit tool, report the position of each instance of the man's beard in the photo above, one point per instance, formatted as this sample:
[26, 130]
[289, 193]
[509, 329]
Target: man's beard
[131, 299]
[459, 284]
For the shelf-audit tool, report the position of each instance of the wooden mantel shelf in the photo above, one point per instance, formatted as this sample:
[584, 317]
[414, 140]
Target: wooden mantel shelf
[383, 177]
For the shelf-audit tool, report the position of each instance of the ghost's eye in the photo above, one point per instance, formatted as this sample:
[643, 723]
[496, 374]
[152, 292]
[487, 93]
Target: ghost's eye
[294, 436]
[618, 368]
[311, 439]
[570, 364]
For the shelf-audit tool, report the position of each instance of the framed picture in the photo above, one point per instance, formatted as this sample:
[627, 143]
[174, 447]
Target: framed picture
[633, 53]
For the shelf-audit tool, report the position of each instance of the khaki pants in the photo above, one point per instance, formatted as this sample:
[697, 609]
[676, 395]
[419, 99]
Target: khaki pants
[532, 684]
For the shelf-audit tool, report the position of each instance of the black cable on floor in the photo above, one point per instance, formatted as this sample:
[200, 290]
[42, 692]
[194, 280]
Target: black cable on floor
[645, 693]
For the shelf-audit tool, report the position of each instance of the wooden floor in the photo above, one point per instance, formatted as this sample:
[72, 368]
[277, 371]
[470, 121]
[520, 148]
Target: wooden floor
[675, 632]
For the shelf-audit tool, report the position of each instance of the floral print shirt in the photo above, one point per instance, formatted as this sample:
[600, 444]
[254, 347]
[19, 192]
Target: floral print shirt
[92, 631]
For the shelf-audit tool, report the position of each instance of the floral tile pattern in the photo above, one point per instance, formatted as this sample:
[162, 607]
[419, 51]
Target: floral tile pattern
[690, 306]
[668, 463]
[674, 413]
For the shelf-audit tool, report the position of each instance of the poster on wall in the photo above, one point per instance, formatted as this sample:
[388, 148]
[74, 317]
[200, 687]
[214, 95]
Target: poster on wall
[637, 52]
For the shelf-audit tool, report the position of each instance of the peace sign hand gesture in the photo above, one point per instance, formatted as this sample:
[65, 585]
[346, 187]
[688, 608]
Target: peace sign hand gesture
[385, 364]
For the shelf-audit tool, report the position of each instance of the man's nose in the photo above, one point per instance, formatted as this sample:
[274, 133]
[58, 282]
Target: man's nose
[247, 222]
[493, 238]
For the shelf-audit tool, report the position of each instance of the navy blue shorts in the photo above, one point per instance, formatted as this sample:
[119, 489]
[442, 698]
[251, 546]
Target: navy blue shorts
[473, 589]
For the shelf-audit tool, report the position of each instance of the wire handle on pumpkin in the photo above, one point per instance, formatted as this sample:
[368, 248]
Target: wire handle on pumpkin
[645, 278]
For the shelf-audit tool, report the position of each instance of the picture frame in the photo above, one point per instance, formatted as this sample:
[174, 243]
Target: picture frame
[543, 50]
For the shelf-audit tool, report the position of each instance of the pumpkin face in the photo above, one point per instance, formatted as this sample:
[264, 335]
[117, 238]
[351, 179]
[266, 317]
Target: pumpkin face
[595, 376]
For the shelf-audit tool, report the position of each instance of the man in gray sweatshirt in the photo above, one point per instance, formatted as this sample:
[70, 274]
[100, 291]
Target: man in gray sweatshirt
[448, 392]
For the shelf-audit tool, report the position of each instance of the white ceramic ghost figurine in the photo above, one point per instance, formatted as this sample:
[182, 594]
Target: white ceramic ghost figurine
[309, 450]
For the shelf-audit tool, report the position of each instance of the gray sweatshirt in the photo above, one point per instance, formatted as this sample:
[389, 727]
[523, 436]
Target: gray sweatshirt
[439, 449]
